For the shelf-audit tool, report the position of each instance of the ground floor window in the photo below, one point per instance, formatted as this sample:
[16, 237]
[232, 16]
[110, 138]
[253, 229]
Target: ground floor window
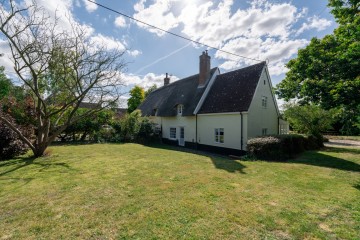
[264, 131]
[219, 135]
[173, 132]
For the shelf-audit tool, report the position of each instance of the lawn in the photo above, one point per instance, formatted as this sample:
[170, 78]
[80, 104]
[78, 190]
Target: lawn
[130, 191]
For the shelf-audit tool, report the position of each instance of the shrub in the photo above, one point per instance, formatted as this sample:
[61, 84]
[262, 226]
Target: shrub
[135, 128]
[281, 147]
[314, 142]
[10, 143]
[264, 147]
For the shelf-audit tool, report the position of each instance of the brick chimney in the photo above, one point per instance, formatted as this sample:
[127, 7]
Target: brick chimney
[166, 80]
[204, 68]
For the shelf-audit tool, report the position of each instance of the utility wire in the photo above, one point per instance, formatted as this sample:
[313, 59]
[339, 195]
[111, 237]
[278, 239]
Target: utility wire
[171, 33]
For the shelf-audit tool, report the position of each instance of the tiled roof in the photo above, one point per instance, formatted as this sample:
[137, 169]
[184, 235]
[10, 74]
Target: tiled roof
[164, 100]
[233, 91]
[89, 105]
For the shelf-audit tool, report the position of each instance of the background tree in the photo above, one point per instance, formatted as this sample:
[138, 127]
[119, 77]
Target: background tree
[136, 97]
[150, 90]
[5, 84]
[59, 68]
[309, 119]
[88, 126]
[327, 71]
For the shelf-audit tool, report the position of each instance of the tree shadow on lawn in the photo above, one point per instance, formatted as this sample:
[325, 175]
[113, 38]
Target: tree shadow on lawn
[27, 161]
[220, 161]
[316, 158]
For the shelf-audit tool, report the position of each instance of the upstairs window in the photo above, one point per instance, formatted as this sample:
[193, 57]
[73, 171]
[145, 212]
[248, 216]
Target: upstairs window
[219, 135]
[264, 101]
[173, 133]
[180, 109]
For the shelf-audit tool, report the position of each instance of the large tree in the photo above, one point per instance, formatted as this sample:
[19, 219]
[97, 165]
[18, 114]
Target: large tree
[327, 71]
[60, 68]
[137, 95]
[309, 119]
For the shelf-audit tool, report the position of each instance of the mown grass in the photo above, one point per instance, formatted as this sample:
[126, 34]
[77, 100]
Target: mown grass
[130, 191]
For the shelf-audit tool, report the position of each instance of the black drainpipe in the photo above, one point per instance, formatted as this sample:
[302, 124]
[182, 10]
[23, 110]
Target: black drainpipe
[279, 125]
[196, 141]
[241, 137]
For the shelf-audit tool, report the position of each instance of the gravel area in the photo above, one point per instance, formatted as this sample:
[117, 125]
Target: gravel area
[338, 142]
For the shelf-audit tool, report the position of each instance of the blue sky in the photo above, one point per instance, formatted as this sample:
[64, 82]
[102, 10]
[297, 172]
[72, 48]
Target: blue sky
[272, 30]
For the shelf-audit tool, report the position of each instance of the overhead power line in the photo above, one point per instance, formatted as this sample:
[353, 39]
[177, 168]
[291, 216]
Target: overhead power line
[171, 33]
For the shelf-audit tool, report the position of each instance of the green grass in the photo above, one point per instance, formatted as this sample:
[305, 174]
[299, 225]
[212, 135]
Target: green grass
[130, 191]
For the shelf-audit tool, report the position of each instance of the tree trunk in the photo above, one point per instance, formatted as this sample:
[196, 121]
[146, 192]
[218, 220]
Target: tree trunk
[83, 136]
[40, 149]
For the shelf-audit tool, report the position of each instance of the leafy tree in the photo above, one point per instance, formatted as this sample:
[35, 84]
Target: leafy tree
[136, 128]
[136, 97]
[150, 90]
[309, 119]
[59, 68]
[5, 84]
[327, 71]
[130, 125]
[87, 126]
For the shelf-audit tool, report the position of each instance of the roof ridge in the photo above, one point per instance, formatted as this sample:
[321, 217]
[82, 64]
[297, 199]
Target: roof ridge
[182, 79]
[244, 68]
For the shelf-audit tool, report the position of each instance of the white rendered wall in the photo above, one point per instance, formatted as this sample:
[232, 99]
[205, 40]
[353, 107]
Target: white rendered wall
[231, 123]
[259, 117]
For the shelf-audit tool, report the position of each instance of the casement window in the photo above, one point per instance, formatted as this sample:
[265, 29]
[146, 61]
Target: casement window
[264, 131]
[180, 109]
[173, 133]
[219, 135]
[264, 101]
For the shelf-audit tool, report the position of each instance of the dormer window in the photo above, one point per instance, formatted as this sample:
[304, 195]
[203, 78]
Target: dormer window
[180, 109]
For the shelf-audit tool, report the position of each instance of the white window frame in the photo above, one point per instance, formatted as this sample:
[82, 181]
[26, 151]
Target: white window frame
[170, 132]
[218, 137]
[264, 131]
[264, 101]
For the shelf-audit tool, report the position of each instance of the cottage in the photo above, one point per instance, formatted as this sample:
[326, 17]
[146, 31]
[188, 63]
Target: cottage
[215, 112]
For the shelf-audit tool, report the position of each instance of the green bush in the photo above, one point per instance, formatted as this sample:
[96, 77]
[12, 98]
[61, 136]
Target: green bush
[265, 147]
[281, 147]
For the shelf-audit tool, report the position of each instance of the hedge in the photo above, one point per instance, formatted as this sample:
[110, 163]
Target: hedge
[281, 147]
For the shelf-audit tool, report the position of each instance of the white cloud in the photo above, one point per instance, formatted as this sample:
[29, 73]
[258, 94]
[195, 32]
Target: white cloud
[277, 52]
[314, 23]
[120, 22]
[90, 7]
[147, 80]
[158, 14]
[6, 57]
[63, 11]
[265, 30]
[109, 43]
[134, 53]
